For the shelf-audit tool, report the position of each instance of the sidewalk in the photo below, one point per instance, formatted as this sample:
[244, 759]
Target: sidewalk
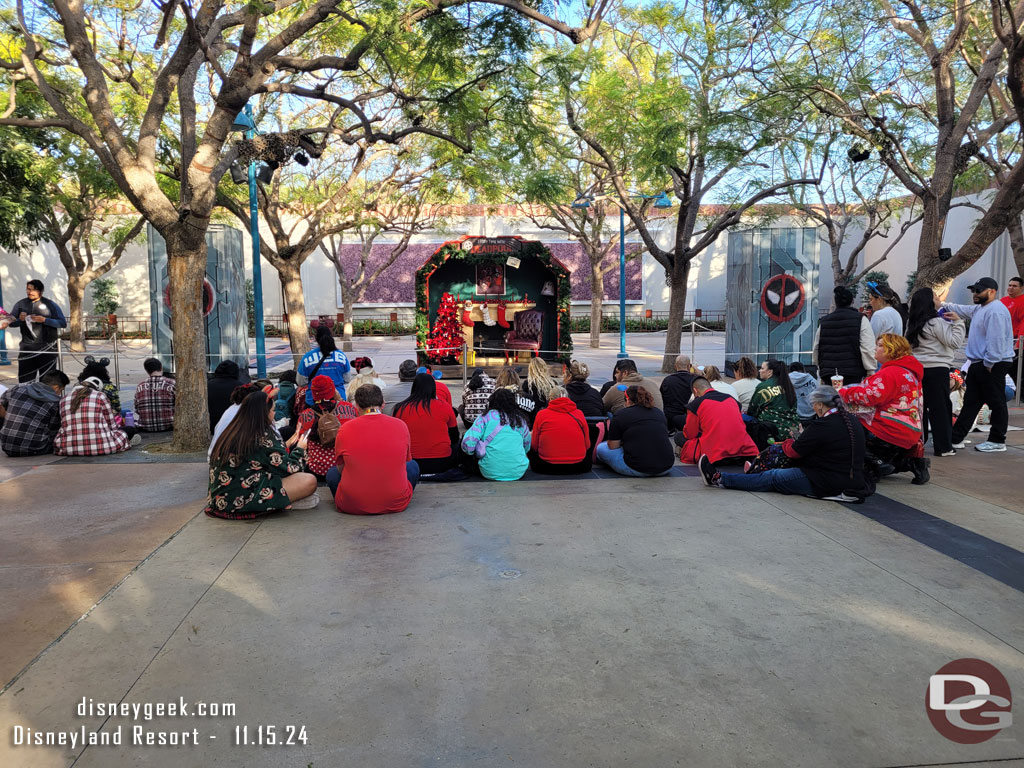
[604, 622]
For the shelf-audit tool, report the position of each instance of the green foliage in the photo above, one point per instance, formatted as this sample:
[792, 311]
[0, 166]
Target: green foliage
[104, 296]
[250, 305]
[24, 200]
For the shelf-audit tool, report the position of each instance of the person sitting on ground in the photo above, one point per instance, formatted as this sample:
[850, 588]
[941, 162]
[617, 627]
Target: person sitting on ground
[219, 388]
[826, 460]
[619, 365]
[714, 426]
[396, 393]
[892, 398]
[540, 387]
[774, 401]
[326, 360]
[476, 397]
[432, 427]
[32, 415]
[365, 374]
[587, 399]
[714, 377]
[154, 399]
[638, 444]
[676, 390]
[252, 472]
[321, 421]
[443, 393]
[497, 443]
[745, 381]
[508, 378]
[560, 442]
[286, 389]
[88, 426]
[97, 369]
[375, 473]
[238, 394]
[803, 385]
[615, 400]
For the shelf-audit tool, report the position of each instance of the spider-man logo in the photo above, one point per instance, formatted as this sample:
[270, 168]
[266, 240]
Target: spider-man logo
[782, 297]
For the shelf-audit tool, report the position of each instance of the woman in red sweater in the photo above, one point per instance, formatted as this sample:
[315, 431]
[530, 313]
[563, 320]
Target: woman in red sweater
[432, 426]
[560, 443]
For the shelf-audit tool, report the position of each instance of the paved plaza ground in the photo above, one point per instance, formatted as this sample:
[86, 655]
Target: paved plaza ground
[595, 622]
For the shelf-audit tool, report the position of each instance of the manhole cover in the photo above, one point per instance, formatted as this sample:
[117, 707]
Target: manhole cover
[510, 574]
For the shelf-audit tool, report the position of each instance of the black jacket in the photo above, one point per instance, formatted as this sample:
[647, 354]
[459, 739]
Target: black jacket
[586, 398]
[839, 345]
[676, 391]
[832, 454]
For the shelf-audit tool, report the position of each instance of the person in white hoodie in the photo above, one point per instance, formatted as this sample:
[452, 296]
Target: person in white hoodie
[935, 340]
[803, 385]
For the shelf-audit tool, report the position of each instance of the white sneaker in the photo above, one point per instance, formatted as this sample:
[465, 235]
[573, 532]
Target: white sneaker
[960, 446]
[136, 439]
[951, 453]
[990, 447]
[309, 502]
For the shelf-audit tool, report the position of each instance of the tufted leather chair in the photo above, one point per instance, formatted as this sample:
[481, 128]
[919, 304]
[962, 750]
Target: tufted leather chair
[527, 331]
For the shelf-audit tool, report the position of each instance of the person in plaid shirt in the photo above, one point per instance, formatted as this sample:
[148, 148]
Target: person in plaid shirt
[154, 399]
[32, 415]
[87, 424]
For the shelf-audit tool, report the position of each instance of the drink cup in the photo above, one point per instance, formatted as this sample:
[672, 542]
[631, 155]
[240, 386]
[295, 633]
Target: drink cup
[837, 381]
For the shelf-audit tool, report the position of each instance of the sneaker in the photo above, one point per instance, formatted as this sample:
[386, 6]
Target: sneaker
[961, 445]
[136, 439]
[948, 453]
[990, 447]
[309, 502]
[746, 467]
[711, 476]
[919, 467]
[845, 498]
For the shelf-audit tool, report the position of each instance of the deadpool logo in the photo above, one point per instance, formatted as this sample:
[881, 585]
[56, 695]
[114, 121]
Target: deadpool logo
[782, 297]
[208, 296]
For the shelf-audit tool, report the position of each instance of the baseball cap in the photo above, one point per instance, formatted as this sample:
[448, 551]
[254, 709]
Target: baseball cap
[983, 284]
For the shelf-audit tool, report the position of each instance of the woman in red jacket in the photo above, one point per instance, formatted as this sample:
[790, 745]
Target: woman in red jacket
[560, 443]
[891, 407]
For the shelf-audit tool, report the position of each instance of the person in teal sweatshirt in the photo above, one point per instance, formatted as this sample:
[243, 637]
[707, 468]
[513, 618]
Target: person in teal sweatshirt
[496, 445]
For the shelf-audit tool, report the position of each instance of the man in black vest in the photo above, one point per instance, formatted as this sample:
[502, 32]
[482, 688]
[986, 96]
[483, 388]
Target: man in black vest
[844, 343]
[40, 320]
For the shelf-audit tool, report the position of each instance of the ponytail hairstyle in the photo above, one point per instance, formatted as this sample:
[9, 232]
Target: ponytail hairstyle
[781, 372]
[890, 297]
[243, 434]
[88, 384]
[637, 395]
[325, 340]
[827, 395]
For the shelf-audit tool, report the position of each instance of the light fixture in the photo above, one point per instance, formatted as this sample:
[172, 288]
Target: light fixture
[239, 173]
[583, 201]
[945, 254]
[265, 173]
[301, 159]
[662, 201]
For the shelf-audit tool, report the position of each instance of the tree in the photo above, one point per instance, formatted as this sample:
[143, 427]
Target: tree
[446, 338]
[23, 198]
[927, 85]
[689, 95]
[159, 119]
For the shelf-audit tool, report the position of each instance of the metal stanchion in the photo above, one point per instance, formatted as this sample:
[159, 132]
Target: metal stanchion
[465, 364]
[1020, 363]
[60, 354]
[117, 365]
[693, 339]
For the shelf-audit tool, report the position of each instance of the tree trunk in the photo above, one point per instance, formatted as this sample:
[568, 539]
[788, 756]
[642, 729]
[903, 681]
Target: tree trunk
[290, 276]
[596, 303]
[1016, 231]
[348, 302]
[186, 267]
[676, 310]
[76, 319]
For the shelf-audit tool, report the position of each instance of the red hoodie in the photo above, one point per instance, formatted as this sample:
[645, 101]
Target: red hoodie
[560, 433]
[894, 391]
[714, 425]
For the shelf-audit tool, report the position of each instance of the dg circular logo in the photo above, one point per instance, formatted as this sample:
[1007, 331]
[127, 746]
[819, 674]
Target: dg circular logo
[968, 701]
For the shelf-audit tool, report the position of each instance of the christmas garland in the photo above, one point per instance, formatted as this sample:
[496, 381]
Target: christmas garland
[529, 248]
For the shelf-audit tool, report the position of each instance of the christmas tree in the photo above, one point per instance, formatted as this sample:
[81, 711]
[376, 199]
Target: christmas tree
[445, 339]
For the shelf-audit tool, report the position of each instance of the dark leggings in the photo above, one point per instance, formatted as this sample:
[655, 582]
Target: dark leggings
[436, 466]
[537, 464]
[938, 409]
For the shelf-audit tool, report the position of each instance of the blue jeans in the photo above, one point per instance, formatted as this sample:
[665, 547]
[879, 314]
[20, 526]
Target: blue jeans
[615, 460]
[791, 481]
[412, 471]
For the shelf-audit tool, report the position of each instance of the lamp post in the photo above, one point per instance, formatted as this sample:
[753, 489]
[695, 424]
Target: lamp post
[660, 201]
[245, 122]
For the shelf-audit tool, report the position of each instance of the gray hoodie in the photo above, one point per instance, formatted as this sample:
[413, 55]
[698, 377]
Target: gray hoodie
[803, 384]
